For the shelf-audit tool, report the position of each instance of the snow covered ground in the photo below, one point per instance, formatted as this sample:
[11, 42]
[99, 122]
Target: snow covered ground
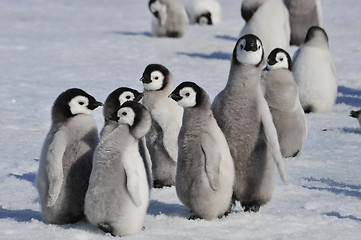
[47, 47]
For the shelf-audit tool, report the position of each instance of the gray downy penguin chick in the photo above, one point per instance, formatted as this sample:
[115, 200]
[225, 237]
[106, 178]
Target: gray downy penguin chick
[249, 7]
[281, 93]
[118, 193]
[314, 72]
[66, 157]
[303, 15]
[245, 119]
[162, 139]
[205, 169]
[112, 104]
[169, 18]
[203, 12]
[357, 115]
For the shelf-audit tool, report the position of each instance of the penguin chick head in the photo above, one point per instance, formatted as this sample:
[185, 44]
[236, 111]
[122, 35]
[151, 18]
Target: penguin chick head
[278, 59]
[248, 50]
[72, 102]
[204, 19]
[316, 36]
[155, 77]
[189, 94]
[155, 6]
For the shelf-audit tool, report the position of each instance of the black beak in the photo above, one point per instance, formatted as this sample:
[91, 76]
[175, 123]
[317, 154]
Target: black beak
[175, 97]
[94, 105]
[145, 80]
[137, 98]
[114, 117]
[251, 45]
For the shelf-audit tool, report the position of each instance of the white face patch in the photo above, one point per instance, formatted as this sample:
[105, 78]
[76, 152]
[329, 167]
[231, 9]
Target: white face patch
[79, 105]
[156, 6]
[249, 57]
[281, 61]
[157, 79]
[188, 97]
[126, 96]
[126, 116]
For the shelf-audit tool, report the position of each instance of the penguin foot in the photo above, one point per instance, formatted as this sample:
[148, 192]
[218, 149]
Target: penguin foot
[159, 184]
[193, 217]
[106, 227]
[252, 206]
[296, 153]
[229, 211]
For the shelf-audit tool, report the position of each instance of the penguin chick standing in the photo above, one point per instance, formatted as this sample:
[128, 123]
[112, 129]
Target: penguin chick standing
[315, 73]
[281, 94]
[66, 157]
[118, 193]
[169, 18]
[245, 119]
[205, 170]
[203, 12]
[162, 139]
[356, 114]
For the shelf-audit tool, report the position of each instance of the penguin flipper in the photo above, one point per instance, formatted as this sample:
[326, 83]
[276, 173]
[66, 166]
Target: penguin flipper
[132, 183]
[212, 159]
[54, 167]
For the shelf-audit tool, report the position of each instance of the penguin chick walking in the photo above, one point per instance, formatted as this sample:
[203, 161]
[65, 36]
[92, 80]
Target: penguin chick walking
[281, 94]
[205, 170]
[245, 119]
[66, 157]
[169, 18]
[303, 15]
[314, 72]
[162, 138]
[118, 193]
[112, 104]
[203, 12]
[356, 114]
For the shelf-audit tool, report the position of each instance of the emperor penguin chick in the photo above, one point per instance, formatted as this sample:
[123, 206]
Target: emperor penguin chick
[281, 94]
[112, 104]
[203, 12]
[66, 157]
[245, 119]
[205, 170]
[162, 138]
[314, 72]
[169, 18]
[118, 193]
[357, 115]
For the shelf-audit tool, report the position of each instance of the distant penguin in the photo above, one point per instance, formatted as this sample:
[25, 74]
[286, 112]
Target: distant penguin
[356, 114]
[162, 139]
[203, 12]
[249, 7]
[66, 157]
[271, 24]
[245, 119]
[303, 15]
[113, 103]
[314, 72]
[281, 93]
[169, 18]
[118, 193]
[205, 170]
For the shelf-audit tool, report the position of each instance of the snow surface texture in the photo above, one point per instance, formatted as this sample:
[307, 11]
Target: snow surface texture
[47, 47]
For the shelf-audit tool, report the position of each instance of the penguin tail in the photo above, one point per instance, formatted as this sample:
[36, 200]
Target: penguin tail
[355, 114]
[106, 227]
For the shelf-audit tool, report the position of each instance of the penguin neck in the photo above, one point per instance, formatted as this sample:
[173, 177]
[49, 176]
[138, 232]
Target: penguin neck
[243, 77]
[195, 118]
[150, 98]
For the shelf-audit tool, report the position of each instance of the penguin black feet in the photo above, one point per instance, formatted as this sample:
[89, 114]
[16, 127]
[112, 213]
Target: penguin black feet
[252, 206]
[159, 184]
[106, 228]
[194, 217]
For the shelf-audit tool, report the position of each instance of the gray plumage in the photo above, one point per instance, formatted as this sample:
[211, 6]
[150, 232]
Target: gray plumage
[66, 158]
[205, 170]
[281, 93]
[245, 119]
[118, 193]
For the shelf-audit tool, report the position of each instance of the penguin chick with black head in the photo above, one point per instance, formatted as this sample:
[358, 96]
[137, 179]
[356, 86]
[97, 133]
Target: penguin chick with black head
[162, 138]
[281, 93]
[205, 170]
[357, 115]
[66, 157]
[118, 193]
[245, 119]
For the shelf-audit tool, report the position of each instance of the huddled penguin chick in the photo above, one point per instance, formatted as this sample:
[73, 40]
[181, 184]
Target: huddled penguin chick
[281, 93]
[118, 193]
[205, 170]
[245, 119]
[314, 72]
[162, 139]
[203, 12]
[169, 18]
[112, 104]
[271, 24]
[249, 7]
[66, 157]
[356, 114]
[303, 15]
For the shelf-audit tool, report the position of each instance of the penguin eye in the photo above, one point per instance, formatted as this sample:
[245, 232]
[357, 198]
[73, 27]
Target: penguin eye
[156, 78]
[281, 59]
[124, 113]
[127, 97]
[81, 103]
[187, 94]
[241, 47]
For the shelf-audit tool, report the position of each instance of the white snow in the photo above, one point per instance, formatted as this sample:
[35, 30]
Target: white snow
[47, 47]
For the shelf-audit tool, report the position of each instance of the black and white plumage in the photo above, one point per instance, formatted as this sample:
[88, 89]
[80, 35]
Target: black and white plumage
[66, 157]
[162, 139]
[357, 115]
[203, 12]
[205, 170]
[118, 193]
[245, 119]
[169, 18]
[315, 73]
[281, 93]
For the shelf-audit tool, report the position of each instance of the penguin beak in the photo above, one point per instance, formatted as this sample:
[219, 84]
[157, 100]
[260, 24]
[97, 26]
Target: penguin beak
[114, 117]
[175, 97]
[145, 80]
[94, 105]
[140, 96]
[251, 46]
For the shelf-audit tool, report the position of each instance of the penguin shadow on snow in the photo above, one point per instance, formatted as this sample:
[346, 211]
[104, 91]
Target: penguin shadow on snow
[214, 55]
[127, 33]
[30, 177]
[338, 215]
[170, 209]
[226, 37]
[349, 96]
[22, 215]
